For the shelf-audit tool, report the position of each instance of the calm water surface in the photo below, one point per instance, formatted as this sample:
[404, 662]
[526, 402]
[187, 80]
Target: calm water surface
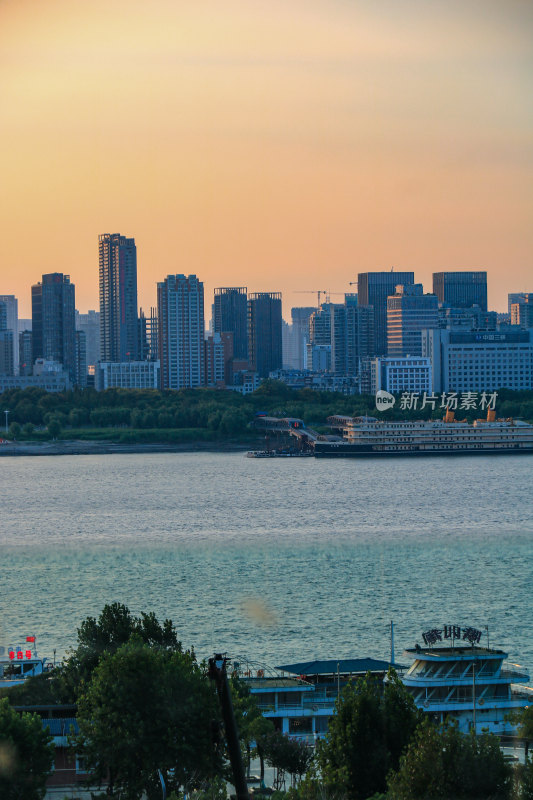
[279, 560]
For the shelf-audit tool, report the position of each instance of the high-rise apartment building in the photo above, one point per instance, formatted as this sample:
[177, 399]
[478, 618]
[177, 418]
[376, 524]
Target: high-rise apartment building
[180, 312]
[89, 323]
[7, 364]
[11, 308]
[409, 312]
[513, 297]
[25, 338]
[264, 332]
[461, 289]
[148, 336]
[352, 336]
[81, 359]
[53, 321]
[522, 311]
[215, 361]
[118, 298]
[230, 316]
[299, 337]
[373, 289]
[319, 347]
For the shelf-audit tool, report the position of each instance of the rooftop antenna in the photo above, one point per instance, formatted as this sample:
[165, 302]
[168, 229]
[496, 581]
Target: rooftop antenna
[391, 643]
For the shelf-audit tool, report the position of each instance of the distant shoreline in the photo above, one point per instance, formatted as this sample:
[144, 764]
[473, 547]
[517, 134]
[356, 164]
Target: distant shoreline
[79, 448]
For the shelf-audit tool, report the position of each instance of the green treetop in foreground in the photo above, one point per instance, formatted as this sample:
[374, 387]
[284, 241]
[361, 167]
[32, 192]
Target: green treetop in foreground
[443, 763]
[26, 755]
[366, 737]
[148, 709]
[105, 635]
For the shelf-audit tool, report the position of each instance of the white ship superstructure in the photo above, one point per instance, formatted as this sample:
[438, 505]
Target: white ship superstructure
[368, 436]
[465, 681]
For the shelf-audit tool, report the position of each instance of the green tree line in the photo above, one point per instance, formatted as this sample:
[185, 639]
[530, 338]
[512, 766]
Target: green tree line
[117, 413]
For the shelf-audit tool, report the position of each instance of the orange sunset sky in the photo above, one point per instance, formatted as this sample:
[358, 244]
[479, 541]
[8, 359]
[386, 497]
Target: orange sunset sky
[279, 145]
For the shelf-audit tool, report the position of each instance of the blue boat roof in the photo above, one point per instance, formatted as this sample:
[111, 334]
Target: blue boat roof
[344, 666]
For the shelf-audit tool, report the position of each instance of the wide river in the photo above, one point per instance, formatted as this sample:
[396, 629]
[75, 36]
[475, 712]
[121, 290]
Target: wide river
[279, 560]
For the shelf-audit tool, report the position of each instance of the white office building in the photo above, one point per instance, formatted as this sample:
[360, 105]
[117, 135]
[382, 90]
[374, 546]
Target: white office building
[478, 361]
[405, 374]
[127, 375]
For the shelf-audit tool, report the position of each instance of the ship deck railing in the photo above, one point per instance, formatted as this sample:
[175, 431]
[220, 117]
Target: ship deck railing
[308, 705]
[501, 702]
[504, 674]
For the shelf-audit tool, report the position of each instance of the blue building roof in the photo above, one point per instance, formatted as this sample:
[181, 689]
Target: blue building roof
[64, 726]
[344, 666]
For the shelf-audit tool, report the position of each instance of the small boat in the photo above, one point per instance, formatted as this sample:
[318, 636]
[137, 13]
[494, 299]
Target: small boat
[278, 453]
[20, 662]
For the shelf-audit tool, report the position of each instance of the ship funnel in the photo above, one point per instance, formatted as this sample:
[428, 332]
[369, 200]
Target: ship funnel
[450, 415]
[491, 414]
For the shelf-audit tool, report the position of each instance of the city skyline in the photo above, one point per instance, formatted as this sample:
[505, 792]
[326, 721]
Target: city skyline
[285, 148]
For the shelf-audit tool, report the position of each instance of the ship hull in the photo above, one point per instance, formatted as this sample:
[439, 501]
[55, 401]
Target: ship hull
[371, 451]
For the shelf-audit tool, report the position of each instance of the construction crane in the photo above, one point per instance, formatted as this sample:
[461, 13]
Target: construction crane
[318, 292]
[327, 294]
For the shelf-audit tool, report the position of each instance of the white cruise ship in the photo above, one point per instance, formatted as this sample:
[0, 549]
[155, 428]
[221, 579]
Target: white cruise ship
[368, 436]
[453, 675]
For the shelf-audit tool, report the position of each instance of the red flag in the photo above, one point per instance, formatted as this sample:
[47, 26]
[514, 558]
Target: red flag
[30, 638]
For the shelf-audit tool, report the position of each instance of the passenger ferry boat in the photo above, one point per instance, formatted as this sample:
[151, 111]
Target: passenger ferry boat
[300, 698]
[451, 676]
[454, 675]
[20, 662]
[368, 436]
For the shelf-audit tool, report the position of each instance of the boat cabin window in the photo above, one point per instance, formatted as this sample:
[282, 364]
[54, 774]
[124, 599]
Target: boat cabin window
[11, 670]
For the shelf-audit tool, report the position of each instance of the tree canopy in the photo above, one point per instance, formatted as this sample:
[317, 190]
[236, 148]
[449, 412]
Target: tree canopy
[26, 754]
[367, 736]
[172, 416]
[147, 709]
[114, 627]
[441, 762]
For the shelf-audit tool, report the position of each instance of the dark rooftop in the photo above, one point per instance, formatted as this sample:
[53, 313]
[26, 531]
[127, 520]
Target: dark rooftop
[344, 666]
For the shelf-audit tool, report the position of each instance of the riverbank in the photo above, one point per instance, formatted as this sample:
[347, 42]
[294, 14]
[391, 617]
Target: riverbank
[77, 447]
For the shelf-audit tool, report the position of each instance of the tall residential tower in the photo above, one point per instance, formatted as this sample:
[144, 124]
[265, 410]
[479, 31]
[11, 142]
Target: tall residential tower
[264, 332]
[118, 298]
[180, 314]
[53, 321]
[230, 317]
